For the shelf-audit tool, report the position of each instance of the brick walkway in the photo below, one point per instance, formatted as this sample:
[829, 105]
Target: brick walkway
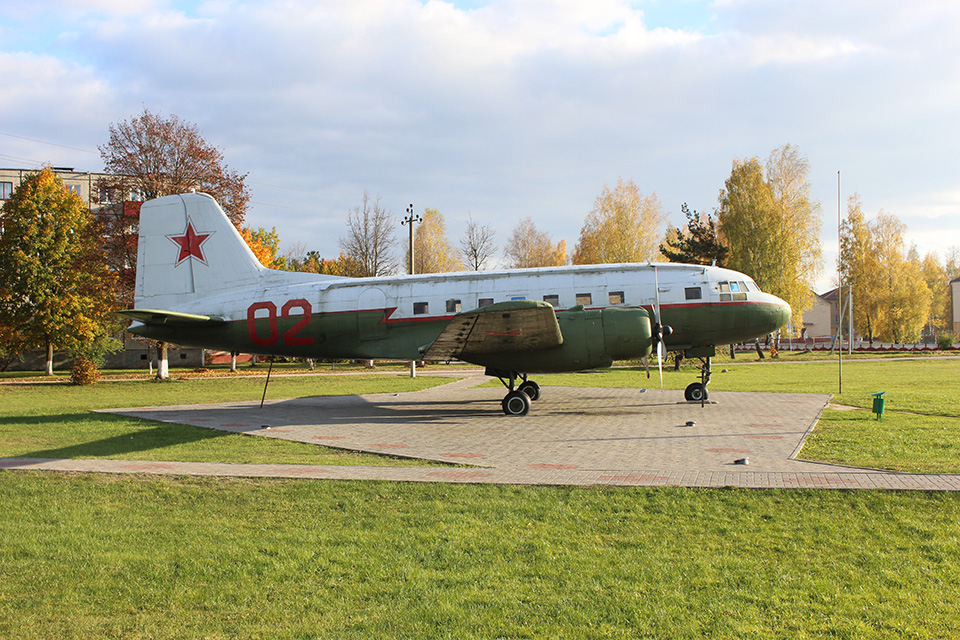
[572, 436]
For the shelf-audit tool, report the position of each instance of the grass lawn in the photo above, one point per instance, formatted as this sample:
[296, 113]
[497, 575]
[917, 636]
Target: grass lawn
[90, 556]
[44, 420]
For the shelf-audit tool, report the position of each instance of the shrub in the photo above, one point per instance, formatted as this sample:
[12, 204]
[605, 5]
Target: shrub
[84, 371]
[945, 341]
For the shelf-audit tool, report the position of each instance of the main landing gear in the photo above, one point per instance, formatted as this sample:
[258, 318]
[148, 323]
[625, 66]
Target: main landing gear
[518, 399]
[697, 391]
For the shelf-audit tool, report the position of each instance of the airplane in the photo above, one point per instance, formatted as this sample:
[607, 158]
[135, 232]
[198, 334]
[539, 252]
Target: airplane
[199, 284]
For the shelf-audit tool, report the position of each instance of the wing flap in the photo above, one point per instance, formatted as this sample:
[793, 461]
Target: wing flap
[505, 327]
[158, 316]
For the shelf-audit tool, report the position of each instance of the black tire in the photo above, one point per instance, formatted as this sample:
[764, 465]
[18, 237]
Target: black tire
[695, 392]
[516, 403]
[531, 388]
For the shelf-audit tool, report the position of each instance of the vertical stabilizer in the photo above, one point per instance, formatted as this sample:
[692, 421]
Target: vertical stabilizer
[188, 248]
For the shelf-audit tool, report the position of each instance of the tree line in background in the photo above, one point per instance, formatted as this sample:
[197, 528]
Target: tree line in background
[57, 259]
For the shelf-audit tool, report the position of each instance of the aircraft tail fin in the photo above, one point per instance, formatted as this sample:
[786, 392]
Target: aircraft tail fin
[189, 248]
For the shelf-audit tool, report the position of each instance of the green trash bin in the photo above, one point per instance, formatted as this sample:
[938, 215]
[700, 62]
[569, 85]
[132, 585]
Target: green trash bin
[878, 403]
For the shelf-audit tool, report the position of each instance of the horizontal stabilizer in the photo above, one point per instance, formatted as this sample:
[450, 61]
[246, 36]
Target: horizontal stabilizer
[156, 316]
[505, 327]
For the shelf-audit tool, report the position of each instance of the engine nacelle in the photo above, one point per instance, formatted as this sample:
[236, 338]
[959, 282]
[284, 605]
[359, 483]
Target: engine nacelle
[626, 332]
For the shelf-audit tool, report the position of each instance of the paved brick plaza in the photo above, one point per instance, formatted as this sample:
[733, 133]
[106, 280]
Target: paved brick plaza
[580, 436]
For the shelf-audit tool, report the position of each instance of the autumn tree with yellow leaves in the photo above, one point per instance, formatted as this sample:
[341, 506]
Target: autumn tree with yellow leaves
[265, 246]
[623, 226]
[771, 226]
[891, 296]
[55, 288]
[530, 247]
[432, 250]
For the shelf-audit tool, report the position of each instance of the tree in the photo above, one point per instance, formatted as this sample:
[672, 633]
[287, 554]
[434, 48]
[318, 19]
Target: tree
[370, 238]
[772, 226]
[476, 244]
[265, 245]
[935, 275]
[149, 157]
[432, 250]
[159, 156]
[859, 268]
[529, 247]
[299, 259]
[904, 296]
[891, 298]
[623, 226]
[697, 243]
[55, 287]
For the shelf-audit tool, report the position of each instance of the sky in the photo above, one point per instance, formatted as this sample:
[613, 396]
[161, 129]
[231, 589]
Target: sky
[502, 109]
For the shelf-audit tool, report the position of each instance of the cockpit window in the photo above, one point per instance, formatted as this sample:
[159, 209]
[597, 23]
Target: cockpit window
[730, 291]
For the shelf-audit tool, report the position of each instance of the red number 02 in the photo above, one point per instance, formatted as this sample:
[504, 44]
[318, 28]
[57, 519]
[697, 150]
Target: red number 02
[290, 336]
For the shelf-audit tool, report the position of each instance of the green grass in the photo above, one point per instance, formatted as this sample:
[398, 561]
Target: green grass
[46, 420]
[92, 556]
[89, 556]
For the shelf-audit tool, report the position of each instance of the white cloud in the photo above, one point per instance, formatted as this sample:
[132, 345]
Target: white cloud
[516, 107]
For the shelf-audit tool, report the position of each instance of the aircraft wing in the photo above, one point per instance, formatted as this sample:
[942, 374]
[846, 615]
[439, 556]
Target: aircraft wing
[156, 316]
[505, 327]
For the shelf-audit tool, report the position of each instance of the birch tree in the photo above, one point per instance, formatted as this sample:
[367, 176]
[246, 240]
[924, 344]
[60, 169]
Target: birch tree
[530, 247]
[623, 226]
[432, 250]
[772, 226]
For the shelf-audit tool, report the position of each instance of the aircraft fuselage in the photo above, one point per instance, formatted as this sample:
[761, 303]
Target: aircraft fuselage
[398, 317]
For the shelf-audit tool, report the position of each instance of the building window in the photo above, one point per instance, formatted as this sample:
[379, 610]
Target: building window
[584, 299]
[616, 297]
[74, 189]
[453, 306]
[420, 308]
[484, 302]
[136, 195]
[6, 190]
[692, 293]
[106, 195]
[553, 299]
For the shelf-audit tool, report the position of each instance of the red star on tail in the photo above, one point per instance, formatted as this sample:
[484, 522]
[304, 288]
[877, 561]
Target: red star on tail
[190, 243]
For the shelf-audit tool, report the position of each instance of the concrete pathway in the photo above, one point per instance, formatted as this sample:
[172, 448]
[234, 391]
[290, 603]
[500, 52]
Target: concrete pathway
[572, 436]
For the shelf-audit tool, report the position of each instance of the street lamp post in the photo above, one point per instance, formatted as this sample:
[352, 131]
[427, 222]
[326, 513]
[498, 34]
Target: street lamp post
[410, 219]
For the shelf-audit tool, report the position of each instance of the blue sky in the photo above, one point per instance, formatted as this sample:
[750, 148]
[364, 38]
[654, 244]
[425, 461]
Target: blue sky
[505, 108]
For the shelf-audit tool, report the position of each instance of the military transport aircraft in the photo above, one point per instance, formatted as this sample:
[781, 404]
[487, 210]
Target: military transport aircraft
[199, 284]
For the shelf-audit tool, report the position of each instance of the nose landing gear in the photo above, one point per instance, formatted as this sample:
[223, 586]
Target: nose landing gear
[697, 391]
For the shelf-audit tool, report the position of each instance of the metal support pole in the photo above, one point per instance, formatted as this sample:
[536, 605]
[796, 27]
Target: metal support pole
[410, 219]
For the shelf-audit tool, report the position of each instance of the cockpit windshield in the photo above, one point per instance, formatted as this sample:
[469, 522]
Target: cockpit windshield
[736, 289]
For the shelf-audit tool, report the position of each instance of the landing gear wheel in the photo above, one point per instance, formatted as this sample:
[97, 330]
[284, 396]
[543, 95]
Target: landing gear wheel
[531, 388]
[516, 403]
[695, 392]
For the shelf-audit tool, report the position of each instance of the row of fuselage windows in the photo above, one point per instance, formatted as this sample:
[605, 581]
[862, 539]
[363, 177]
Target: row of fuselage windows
[582, 299]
